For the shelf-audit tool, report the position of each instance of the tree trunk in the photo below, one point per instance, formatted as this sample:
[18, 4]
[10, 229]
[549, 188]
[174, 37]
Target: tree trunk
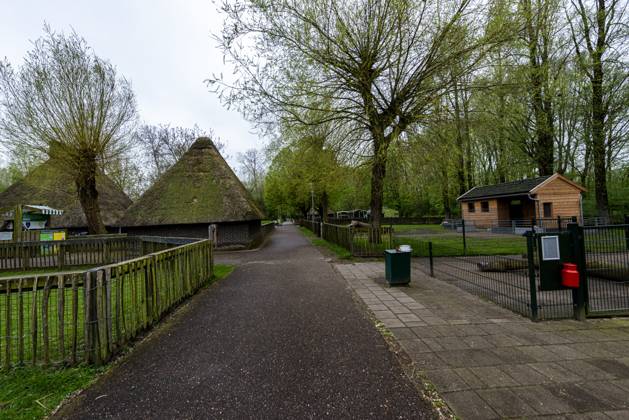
[460, 166]
[378, 172]
[468, 145]
[598, 117]
[445, 199]
[324, 206]
[542, 107]
[88, 196]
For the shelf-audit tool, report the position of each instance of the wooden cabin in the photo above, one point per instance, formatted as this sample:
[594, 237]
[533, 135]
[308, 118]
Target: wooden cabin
[522, 202]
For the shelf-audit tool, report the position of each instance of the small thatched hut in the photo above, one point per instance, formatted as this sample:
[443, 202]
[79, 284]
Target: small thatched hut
[49, 185]
[198, 191]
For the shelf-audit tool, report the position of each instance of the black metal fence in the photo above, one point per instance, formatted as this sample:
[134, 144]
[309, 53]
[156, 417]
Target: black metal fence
[361, 241]
[607, 262]
[505, 268]
[513, 281]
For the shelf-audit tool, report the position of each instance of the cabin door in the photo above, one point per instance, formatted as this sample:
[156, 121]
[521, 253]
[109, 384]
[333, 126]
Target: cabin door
[516, 211]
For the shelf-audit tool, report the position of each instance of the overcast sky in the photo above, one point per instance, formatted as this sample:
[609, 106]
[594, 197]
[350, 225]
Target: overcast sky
[163, 47]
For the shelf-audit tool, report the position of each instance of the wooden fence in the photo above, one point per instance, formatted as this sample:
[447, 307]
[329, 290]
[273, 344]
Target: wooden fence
[81, 251]
[88, 316]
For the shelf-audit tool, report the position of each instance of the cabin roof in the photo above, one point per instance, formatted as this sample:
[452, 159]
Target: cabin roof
[513, 188]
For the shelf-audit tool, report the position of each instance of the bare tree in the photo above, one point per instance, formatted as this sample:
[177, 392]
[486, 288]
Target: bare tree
[163, 145]
[67, 104]
[371, 65]
[252, 168]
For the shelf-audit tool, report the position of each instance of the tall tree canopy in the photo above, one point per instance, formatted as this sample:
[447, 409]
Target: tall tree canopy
[372, 67]
[67, 104]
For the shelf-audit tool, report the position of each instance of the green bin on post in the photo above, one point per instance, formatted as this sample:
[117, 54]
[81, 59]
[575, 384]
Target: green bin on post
[397, 266]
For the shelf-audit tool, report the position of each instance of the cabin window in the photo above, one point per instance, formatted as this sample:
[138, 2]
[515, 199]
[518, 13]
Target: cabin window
[548, 209]
[484, 206]
[471, 208]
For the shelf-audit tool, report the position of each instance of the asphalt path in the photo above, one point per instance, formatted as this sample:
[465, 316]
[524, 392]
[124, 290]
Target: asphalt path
[281, 337]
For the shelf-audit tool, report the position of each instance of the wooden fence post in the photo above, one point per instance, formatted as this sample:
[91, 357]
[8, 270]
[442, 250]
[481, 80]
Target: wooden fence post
[8, 322]
[61, 257]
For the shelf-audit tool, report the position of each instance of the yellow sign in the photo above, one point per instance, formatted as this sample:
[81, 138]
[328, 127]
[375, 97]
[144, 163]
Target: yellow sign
[59, 236]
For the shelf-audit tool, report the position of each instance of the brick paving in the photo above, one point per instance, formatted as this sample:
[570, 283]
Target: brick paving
[487, 362]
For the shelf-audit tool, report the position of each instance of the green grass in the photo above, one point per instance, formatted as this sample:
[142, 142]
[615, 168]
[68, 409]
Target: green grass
[33, 392]
[222, 270]
[340, 252]
[420, 229]
[445, 242]
[453, 245]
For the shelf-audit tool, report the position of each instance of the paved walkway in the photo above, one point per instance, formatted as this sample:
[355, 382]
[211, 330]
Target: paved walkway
[280, 338]
[488, 362]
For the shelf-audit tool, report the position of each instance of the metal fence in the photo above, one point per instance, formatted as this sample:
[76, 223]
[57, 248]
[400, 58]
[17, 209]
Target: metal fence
[505, 268]
[513, 281]
[607, 262]
[88, 316]
[361, 241]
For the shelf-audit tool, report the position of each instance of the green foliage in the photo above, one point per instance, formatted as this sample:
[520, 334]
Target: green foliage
[33, 392]
[222, 270]
[306, 167]
[618, 189]
[9, 175]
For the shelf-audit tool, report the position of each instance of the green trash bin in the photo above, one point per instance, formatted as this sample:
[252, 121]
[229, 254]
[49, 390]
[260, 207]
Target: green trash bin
[397, 266]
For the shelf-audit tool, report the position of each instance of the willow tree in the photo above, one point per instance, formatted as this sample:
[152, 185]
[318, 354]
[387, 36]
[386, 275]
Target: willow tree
[67, 104]
[373, 67]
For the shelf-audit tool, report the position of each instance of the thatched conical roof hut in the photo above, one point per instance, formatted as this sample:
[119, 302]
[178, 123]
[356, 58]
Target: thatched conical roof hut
[48, 184]
[199, 189]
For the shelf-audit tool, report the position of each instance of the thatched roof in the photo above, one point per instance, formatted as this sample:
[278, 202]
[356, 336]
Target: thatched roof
[199, 188]
[49, 185]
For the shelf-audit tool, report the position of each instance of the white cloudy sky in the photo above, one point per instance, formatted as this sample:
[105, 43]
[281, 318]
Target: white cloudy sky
[163, 47]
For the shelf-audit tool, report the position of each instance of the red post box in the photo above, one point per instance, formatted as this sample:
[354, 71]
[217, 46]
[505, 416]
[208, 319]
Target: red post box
[570, 275]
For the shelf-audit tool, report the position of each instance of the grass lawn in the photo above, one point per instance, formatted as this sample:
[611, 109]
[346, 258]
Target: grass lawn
[445, 246]
[420, 229]
[33, 392]
[447, 242]
[340, 252]
[222, 270]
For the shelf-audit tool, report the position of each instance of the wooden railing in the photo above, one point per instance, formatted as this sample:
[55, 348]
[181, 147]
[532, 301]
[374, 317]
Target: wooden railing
[74, 252]
[88, 316]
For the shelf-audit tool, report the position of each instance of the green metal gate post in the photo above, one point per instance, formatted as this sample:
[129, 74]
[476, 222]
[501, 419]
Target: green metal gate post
[530, 252]
[579, 295]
